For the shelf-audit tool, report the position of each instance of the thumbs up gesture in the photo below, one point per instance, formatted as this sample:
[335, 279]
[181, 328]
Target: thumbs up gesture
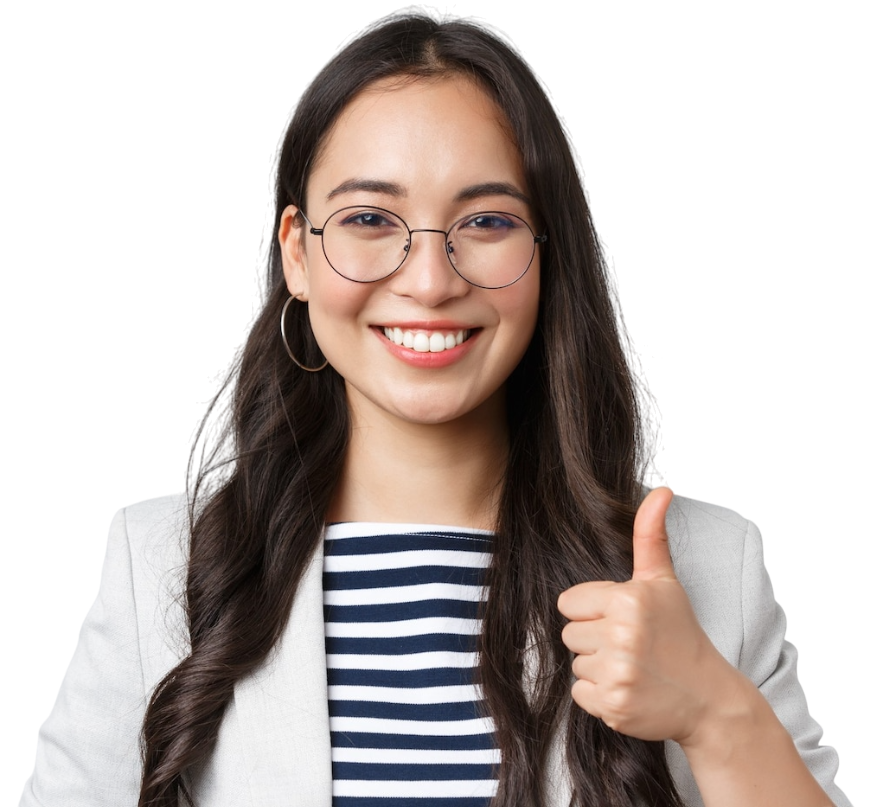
[643, 663]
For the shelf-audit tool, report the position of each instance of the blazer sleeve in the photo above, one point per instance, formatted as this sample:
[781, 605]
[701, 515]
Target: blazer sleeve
[771, 662]
[720, 555]
[88, 752]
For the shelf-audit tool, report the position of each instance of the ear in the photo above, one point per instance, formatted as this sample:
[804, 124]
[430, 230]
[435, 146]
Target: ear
[291, 236]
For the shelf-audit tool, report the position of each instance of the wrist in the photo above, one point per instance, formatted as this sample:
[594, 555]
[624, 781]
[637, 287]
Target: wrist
[737, 718]
[740, 753]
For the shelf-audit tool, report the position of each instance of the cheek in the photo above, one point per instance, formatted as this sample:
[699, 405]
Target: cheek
[521, 307]
[334, 307]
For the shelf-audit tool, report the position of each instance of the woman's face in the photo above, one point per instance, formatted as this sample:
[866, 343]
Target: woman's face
[432, 152]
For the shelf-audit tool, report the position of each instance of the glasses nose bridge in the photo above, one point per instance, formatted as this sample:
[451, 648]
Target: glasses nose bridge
[445, 233]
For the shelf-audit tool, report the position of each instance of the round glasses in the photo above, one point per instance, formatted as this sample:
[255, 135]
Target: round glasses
[366, 244]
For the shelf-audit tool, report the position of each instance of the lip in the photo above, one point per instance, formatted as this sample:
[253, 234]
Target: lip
[430, 361]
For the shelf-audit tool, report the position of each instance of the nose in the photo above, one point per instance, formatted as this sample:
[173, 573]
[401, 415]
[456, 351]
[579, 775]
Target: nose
[427, 274]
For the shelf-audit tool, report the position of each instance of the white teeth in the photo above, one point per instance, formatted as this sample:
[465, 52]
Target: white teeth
[435, 342]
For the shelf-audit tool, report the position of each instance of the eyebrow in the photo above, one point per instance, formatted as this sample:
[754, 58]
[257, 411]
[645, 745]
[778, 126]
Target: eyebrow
[370, 185]
[492, 189]
[393, 189]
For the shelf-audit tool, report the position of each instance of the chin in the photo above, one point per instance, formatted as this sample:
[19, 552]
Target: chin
[427, 415]
[438, 412]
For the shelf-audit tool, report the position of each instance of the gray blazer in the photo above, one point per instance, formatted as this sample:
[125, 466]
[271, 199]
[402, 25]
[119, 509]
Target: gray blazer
[273, 748]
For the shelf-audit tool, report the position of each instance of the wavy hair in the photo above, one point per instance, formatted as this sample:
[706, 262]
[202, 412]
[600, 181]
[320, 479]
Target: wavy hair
[571, 484]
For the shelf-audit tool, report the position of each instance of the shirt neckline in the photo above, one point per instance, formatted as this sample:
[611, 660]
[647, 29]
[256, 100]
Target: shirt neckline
[348, 529]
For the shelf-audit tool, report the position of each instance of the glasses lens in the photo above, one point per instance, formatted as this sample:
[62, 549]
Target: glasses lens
[491, 249]
[365, 243]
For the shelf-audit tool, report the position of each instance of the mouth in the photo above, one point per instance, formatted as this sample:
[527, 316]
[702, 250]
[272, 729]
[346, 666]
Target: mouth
[426, 341]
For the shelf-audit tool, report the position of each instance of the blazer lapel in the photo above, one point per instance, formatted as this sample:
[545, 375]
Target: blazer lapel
[282, 710]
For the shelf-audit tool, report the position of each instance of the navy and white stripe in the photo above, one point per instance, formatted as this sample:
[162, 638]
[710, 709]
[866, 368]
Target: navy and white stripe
[408, 725]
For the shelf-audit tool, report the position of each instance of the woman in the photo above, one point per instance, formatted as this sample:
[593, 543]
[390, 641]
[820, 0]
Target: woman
[438, 347]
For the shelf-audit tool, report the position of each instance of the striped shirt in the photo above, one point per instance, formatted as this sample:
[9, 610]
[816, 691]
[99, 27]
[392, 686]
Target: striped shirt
[408, 725]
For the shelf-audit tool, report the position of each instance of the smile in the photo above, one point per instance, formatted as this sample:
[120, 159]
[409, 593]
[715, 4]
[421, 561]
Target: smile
[435, 342]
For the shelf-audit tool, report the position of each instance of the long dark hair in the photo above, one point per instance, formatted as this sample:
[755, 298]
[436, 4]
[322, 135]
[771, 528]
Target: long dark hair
[571, 485]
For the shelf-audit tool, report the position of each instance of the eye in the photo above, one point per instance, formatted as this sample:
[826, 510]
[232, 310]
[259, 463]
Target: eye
[367, 219]
[489, 221]
[488, 227]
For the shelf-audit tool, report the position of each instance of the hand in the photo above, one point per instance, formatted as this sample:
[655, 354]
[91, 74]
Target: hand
[643, 665]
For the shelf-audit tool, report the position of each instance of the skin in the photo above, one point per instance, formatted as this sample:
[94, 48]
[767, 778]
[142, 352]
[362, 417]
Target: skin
[428, 144]
[645, 666]
[429, 445]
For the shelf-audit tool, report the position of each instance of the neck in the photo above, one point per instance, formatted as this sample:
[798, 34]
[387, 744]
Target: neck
[444, 473]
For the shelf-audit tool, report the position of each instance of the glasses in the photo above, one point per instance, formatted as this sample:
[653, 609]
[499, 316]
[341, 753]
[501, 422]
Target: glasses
[366, 244]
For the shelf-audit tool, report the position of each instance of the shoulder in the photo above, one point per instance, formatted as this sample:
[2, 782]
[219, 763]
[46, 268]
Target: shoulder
[146, 566]
[154, 533]
[691, 522]
[706, 540]
[132, 636]
[718, 559]
[153, 518]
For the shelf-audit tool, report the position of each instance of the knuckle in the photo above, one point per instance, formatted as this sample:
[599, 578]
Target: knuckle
[629, 601]
[624, 676]
[628, 641]
[618, 709]
[625, 638]
[580, 695]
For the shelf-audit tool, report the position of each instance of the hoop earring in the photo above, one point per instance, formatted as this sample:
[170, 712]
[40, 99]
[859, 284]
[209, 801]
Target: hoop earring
[296, 361]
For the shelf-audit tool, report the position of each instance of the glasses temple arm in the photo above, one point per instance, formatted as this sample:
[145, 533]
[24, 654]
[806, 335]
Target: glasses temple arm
[314, 230]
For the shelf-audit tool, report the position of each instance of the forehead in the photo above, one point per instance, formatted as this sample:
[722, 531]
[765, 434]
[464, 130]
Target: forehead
[420, 133]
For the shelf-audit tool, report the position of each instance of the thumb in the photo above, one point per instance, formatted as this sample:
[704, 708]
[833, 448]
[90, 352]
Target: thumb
[652, 558]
